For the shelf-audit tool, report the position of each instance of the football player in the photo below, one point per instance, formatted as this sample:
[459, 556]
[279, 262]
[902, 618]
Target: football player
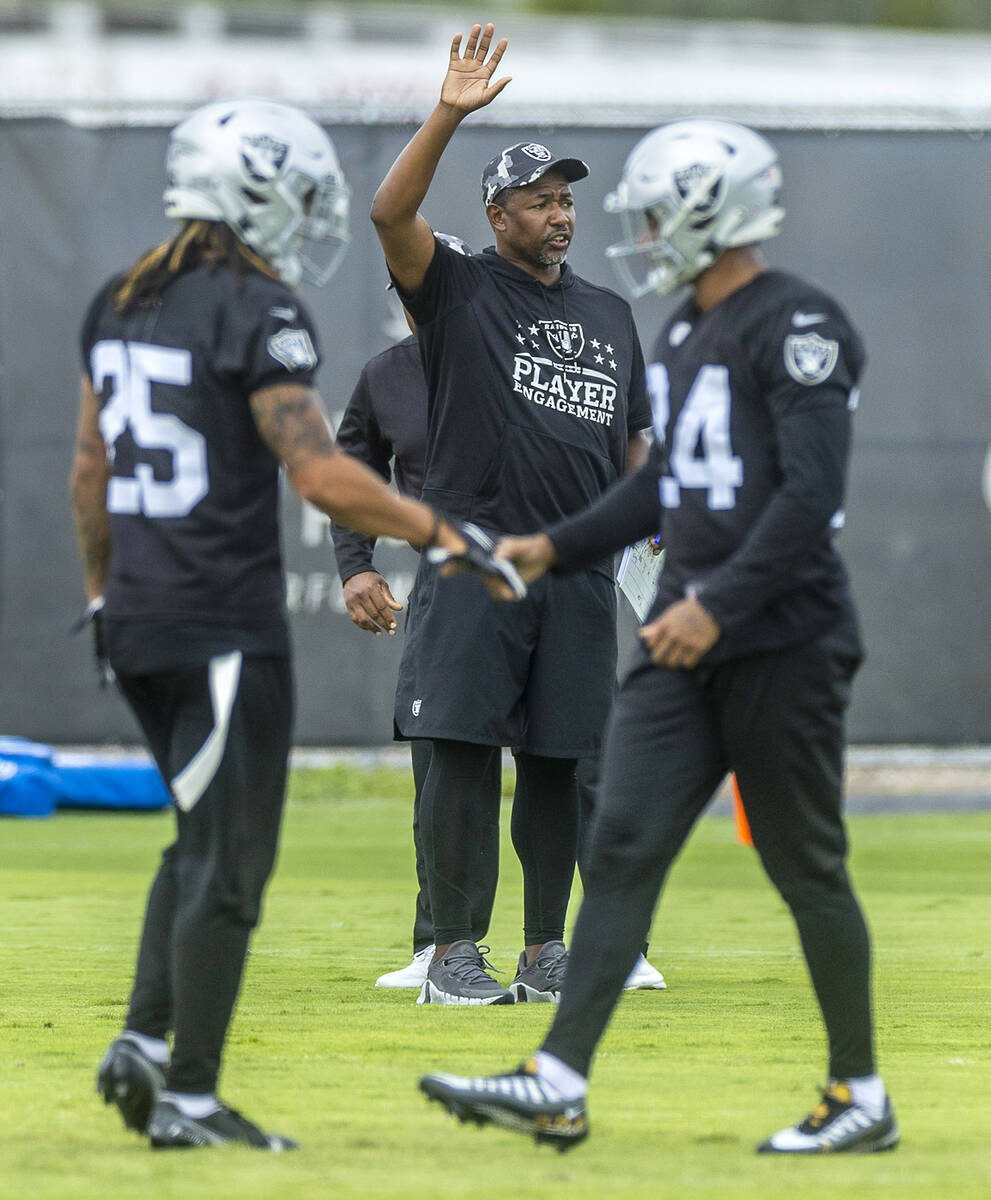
[198, 382]
[752, 643]
[535, 384]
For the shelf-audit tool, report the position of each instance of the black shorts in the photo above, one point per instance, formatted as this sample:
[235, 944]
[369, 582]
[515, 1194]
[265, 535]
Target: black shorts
[537, 675]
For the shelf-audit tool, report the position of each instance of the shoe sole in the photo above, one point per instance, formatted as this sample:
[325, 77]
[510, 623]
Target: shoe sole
[545, 1128]
[432, 995]
[126, 1078]
[524, 994]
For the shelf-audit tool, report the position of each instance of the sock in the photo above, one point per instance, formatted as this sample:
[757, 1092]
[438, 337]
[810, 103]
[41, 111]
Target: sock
[157, 1049]
[193, 1104]
[867, 1091]
[568, 1082]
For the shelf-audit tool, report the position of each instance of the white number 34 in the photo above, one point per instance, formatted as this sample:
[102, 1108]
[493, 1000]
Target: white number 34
[134, 367]
[700, 452]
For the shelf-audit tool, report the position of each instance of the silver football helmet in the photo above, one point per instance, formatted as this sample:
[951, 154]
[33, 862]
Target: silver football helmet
[269, 172]
[689, 191]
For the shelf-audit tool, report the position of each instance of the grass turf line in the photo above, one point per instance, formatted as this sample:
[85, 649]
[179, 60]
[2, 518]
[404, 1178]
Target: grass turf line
[686, 1082]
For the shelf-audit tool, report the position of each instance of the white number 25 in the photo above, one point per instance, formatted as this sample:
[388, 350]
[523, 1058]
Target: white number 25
[703, 423]
[134, 367]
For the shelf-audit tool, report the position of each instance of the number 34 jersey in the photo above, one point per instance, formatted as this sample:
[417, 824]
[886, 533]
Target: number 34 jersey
[753, 401]
[193, 496]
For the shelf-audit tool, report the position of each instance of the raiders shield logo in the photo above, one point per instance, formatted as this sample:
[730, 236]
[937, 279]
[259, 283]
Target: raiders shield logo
[567, 341]
[263, 157]
[293, 349]
[687, 181]
[810, 358]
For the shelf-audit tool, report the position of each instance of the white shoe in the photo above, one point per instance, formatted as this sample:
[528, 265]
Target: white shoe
[644, 977]
[412, 976]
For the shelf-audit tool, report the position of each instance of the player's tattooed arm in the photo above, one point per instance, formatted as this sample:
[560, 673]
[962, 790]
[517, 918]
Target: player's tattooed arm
[292, 423]
[88, 492]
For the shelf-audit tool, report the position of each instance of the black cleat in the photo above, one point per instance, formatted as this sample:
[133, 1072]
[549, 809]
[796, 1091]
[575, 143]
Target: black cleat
[836, 1126]
[519, 1101]
[129, 1079]
[171, 1129]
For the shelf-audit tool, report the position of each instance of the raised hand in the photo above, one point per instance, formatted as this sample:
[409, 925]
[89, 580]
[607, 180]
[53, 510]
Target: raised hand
[466, 86]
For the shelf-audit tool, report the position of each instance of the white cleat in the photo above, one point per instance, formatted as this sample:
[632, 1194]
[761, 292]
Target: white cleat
[837, 1126]
[644, 978]
[412, 976]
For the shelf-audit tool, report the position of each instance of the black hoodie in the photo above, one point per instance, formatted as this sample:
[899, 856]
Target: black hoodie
[532, 391]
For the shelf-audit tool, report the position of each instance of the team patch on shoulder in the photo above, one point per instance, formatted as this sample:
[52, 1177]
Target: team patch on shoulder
[809, 358]
[293, 348]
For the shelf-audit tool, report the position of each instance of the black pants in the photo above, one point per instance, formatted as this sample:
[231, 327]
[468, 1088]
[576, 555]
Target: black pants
[220, 735]
[777, 721]
[481, 886]
[459, 833]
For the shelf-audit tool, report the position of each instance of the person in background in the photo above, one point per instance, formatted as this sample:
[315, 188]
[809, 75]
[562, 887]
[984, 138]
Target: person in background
[385, 426]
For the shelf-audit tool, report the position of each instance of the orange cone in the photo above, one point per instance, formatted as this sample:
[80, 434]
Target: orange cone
[740, 817]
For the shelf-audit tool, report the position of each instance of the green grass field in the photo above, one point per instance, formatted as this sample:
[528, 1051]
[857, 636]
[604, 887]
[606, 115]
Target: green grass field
[686, 1082]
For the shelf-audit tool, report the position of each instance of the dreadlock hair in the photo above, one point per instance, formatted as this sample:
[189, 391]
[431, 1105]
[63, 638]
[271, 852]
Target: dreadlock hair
[197, 242]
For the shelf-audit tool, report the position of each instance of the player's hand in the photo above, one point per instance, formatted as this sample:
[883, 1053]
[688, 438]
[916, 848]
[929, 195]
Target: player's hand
[680, 635]
[462, 547]
[370, 602]
[92, 619]
[532, 556]
[466, 86]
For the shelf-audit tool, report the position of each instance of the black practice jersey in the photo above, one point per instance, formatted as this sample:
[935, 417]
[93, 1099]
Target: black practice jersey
[193, 497]
[533, 391]
[752, 405]
[385, 426]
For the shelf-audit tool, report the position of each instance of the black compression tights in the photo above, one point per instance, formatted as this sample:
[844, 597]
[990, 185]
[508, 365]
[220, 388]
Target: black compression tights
[459, 827]
[545, 836]
[459, 830]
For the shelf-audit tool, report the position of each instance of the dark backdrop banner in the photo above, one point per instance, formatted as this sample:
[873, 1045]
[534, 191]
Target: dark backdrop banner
[895, 223]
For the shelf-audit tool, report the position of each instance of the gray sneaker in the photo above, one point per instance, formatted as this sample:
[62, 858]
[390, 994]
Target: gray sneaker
[541, 981]
[460, 977]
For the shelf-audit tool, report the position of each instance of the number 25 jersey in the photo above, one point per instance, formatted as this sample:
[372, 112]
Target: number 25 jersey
[753, 402]
[193, 494]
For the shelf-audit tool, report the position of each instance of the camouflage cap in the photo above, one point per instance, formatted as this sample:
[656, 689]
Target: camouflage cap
[524, 163]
